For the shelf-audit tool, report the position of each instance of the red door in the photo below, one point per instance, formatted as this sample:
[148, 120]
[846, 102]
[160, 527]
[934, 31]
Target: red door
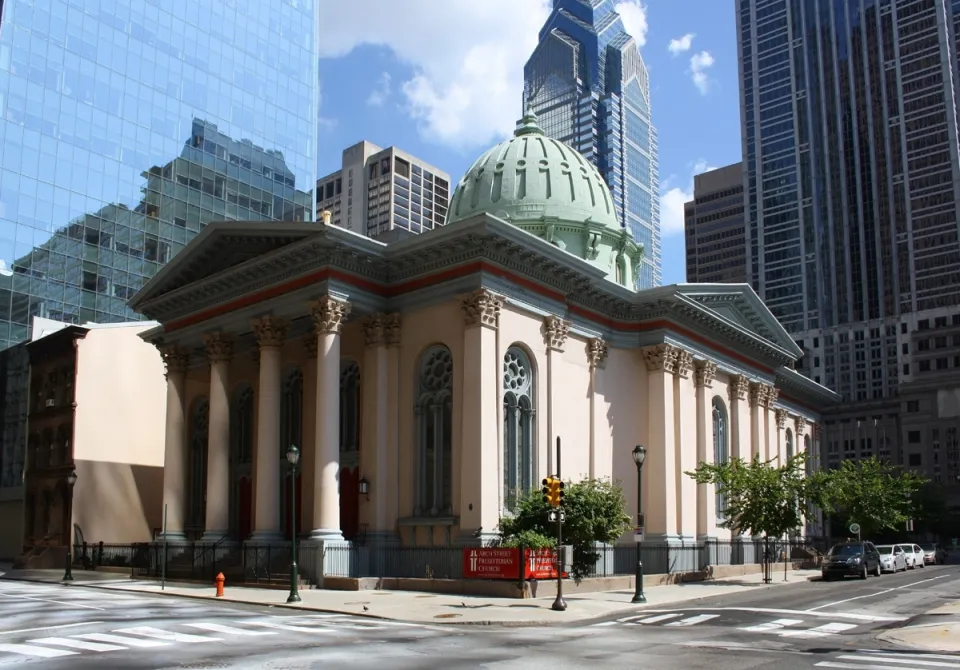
[349, 503]
[245, 500]
[288, 522]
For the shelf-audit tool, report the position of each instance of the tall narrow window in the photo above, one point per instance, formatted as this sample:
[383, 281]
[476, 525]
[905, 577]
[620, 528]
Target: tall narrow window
[721, 447]
[349, 406]
[199, 422]
[242, 430]
[789, 444]
[291, 413]
[518, 432]
[434, 418]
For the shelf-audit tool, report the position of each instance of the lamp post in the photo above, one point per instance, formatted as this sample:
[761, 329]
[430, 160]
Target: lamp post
[639, 455]
[293, 456]
[68, 574]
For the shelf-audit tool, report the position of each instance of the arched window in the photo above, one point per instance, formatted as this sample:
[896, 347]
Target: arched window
[199, 431]
[46, 448]
[434, 410]
[810, 456]
[721, 447]
[62, 453]
[789, 445]
[349, 406]
[518, 432]
[242, 430]
[291, 413]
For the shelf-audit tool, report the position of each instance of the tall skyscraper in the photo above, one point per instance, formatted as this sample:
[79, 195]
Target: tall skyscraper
[589, 87]
[127, 125]
[383, 192]
[852, 178]
[714, 227]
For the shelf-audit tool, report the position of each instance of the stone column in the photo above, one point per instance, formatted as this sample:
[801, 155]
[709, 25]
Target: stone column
[270, 332]
[758, 403]
[772, 437]
[392, 333]
[739, 429]
[219, 352]
[781, 440]
[685, 408]
[328, 314]
[555, 331]
[659, 470]
[375, 401]
[704, 374]
[177, 361]
[307, 455]
[596, 357]
[479, 478]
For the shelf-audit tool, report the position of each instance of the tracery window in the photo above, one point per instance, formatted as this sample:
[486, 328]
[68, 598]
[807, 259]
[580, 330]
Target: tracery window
[199, 432]
[518, 426]
[434, 420]
[721, 447]
[349, 406]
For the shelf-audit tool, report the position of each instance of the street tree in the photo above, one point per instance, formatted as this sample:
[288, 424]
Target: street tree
[870, 492]
[595, 512]
[761, 499]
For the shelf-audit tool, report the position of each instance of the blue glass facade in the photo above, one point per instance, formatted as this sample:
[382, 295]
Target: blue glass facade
[127, 125]
[589, 87]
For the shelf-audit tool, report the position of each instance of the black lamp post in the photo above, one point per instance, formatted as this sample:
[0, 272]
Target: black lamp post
[293, 457]
[639, 454]
[68, 575]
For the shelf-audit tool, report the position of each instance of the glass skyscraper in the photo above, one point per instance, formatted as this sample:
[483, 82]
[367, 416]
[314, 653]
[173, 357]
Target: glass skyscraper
[589, 86]
[128, 125]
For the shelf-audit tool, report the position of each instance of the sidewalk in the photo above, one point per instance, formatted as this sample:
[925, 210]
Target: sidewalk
[940, 636]
[430, 608]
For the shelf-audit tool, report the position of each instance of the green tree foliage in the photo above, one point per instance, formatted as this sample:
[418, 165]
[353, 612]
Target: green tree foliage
[870, 492]
[595, 512]
[761, 499]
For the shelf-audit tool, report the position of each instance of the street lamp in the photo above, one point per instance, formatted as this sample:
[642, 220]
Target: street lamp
[293, 456]
[639, 454]
[68, 574]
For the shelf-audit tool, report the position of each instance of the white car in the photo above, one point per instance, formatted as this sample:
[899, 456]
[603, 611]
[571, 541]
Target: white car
[919, 553]
[892, 558]
[910, 555]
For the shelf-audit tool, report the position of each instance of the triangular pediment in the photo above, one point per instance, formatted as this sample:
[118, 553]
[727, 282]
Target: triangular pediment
[740, 305]
[219, 247]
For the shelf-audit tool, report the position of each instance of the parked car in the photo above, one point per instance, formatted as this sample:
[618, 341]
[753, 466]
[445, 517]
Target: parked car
[851, 558]
[892, 558]
[913, 557]
[932, 554]
[918, 552]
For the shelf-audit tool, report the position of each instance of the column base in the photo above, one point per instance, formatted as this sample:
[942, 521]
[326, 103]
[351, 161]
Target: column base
[214, 536]
[265, 537]
[177, 536]
[326, 535]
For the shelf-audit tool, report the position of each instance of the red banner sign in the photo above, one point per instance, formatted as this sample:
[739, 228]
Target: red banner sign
[499, 563]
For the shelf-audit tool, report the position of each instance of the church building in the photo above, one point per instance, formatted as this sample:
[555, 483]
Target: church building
[426, 380]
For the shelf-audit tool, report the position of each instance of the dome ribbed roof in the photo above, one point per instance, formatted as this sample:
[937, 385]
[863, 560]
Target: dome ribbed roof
[532, 177]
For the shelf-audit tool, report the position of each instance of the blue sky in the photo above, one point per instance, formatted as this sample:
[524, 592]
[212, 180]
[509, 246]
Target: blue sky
[442, 79]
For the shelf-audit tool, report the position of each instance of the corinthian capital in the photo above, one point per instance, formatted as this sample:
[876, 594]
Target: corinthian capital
[374, 330]
[799, 426]
[329, 314]
[481, 308]
[219, 347]
[270, 331]
[737, 389]
[684, 363]
[706, 372]
[391, 329]
[758, 394]
[772, 393]
[176, 359]
[661, 357]
[596, 352]
[781, 416]
[555, 331]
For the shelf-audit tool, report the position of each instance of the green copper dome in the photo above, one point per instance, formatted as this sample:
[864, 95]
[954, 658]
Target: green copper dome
[545, 187]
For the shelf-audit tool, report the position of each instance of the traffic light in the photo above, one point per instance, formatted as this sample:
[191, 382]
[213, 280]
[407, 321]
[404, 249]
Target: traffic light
[552, 491]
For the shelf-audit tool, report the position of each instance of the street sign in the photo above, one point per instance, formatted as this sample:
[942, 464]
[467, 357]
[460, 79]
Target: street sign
[854, 528]
[552, 516]
[638, 534]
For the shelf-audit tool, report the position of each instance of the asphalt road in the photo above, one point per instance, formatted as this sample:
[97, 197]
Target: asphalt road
[797, 626]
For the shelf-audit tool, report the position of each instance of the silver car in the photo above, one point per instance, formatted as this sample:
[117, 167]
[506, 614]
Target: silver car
[892, 558]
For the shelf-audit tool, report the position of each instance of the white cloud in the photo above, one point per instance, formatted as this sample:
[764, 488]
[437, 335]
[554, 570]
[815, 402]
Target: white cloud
[699, 64]
[673, 199]
[381, 90]
[634, 15]
[681, 44]
[466, 57]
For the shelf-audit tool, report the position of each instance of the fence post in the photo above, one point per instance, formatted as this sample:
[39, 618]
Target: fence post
[522, 563]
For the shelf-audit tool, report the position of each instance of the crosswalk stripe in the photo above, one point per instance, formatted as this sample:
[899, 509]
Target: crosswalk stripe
[76, 644]
[148, 631]
[29, 650]
[118, 639]
[694, 620]
[820, 631]
[655, 619]
[605, 623]
[852, 666]
[894, 659]
[880, 652]
[228, 630]
[777, 624]
[296, 629]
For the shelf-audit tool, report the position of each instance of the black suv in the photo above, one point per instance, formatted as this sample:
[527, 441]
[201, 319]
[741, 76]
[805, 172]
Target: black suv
[851, 558]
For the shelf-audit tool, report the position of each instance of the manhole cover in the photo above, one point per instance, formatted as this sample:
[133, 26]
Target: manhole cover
[446, 616]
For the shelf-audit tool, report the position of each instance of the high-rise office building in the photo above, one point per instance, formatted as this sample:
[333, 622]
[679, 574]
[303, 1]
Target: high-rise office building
[127, 125]
[852, 178]
[714, 228]
[590, 89]
[384, 192]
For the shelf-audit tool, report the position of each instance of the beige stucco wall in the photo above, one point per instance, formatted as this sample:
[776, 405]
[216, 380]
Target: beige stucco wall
[118, 436]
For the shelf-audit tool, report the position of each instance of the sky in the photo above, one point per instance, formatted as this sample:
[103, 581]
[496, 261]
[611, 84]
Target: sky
[443, 80]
